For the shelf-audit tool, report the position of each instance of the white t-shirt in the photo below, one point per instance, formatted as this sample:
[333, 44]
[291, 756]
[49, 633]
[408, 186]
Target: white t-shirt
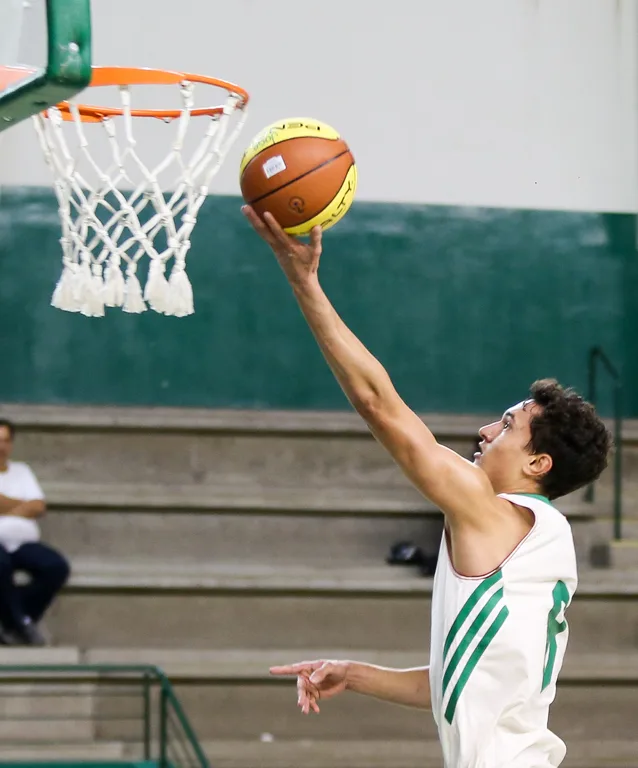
[18, 482]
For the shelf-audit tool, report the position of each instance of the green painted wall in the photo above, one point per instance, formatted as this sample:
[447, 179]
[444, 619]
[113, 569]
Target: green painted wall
[465, 307]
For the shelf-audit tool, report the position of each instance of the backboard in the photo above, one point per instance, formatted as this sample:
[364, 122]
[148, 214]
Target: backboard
[45, 55]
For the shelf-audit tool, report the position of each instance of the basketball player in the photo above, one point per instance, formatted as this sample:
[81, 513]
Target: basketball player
[507, 567]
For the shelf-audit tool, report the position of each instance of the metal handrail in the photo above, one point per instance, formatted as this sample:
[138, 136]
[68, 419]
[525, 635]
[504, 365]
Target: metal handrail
[598, 356]
[147, 674]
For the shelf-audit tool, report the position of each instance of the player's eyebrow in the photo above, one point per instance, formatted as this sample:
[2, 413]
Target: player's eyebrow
[509, 414]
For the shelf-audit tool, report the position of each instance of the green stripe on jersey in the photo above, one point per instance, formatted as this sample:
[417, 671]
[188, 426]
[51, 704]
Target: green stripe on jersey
[473, 661]
[465, 611]
[471, 633]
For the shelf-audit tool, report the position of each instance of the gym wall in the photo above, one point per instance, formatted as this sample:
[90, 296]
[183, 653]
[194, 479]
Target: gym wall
[492, 241]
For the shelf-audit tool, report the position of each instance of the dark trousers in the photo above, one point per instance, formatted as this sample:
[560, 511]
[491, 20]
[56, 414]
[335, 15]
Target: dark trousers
[48, 571]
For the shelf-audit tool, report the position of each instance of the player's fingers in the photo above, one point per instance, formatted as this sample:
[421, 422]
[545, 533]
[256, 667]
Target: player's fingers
[305, 687]
[303, 699]
[283, 238]
[308, 703]
[296, 669]
[290, 669]
[309, 698]
[254, 219]
[307, 693]
[315, 238]
[319, 675]
[258, 225]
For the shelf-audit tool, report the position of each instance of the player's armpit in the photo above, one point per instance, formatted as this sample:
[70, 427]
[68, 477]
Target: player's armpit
[459, 488]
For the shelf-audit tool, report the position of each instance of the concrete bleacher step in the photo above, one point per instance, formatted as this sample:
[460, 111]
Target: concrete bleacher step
[212, 524]
[34, 417]
[624, 554]
[99, 418]
[223, 537]
[124, 604]
[254, 663]
[594, 699]
[175, 604]
[595, 696]
[244, 497]
[53, 713]
[210, 448]
[389, 754]
[280, 523]
[619, 753]
[36, 712]
[24, 655]
[264, 499]
[372, 577]
[246, 664]
[313, 753]
[252, 451]
[629, 526]
[81, 753]
[210, 458]
[134, 460]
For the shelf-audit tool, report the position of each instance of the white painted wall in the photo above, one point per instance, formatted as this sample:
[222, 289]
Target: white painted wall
[525, 103]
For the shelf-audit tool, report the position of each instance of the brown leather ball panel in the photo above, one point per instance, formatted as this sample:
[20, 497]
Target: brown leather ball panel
[315, 169]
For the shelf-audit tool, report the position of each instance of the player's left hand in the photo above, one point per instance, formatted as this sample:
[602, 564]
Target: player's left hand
[298, 260]
[320, 679]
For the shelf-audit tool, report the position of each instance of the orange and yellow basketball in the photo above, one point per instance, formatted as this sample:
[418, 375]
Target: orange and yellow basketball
[302, 172]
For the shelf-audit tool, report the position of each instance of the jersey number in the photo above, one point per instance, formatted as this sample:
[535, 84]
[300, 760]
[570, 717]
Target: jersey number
[554, 627]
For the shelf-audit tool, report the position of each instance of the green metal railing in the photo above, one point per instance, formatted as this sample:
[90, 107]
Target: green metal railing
[98, 705]
[597, 358]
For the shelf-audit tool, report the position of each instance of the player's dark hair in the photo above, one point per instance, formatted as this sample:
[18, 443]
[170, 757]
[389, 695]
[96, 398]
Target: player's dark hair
[571, 432]
[10, 426]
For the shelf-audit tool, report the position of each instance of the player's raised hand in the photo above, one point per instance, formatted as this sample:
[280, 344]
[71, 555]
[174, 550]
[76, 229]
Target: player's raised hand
[316, 680]
[298, 260]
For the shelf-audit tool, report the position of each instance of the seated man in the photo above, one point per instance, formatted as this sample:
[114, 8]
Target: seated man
[21, 502]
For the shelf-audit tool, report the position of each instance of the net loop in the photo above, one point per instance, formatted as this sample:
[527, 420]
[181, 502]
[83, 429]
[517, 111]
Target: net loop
[116, 211]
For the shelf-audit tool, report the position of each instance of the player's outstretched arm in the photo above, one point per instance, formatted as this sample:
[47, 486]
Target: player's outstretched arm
[322, 679]
[455, 485]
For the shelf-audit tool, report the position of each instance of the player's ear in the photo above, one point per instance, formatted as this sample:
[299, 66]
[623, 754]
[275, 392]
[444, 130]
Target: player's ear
[538, 464]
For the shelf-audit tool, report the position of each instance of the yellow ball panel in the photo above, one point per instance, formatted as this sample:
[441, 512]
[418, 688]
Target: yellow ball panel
[334, 212]
[282, 130]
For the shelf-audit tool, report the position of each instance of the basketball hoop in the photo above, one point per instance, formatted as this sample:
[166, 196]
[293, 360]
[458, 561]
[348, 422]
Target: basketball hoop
[106, 230]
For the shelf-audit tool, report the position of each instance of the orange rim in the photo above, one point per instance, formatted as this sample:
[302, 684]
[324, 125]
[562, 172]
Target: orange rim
[105, 76]
[12, 75]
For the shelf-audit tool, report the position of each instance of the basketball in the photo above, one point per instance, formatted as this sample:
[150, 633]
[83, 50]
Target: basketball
[302, 172]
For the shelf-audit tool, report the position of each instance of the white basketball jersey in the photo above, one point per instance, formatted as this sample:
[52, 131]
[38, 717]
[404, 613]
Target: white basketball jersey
[498, 643]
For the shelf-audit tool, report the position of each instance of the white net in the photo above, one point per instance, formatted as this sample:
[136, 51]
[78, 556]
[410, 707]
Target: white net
[106, 231]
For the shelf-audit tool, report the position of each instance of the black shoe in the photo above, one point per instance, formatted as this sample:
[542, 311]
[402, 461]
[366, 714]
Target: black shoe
[404, 553]
[407, 553]
[8, 638]
[29, 634]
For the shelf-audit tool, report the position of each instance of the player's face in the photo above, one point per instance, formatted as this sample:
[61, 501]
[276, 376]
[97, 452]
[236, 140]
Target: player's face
[6, 444]
[503, 452]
